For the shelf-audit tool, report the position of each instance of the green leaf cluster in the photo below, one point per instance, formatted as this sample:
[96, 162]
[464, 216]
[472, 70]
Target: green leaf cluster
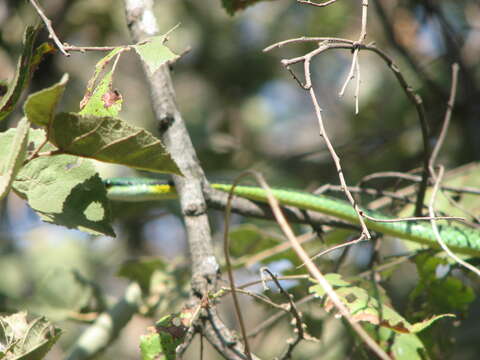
[50, 167]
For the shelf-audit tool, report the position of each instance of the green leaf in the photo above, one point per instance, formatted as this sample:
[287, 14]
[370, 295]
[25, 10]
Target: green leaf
[61, 293]
[101, 99]
[63, 189]
[439, 293]
[110, 140]
[27, 340]
[105, 101]
[151, 347]
[401, 346]
[249, 239]
[66, 190]
[40, 106]
[154, 53]
[141, 271]
[101, 64]
[169, 332]
[16, 156]
[365, 307]
[25, 67]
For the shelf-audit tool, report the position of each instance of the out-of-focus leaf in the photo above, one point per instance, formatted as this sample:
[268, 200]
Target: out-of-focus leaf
[40, 107]
[162, 341]
[365, 307]
[63, 189]
[436, 291]
[141, 271]
[249, 239]
[25, 67]
[401, 346]
[110, 140]
[61, 293]
[155, 53]
[466, 176]
[26, 340]
[151, 346]
[16, 156]
[232, 6]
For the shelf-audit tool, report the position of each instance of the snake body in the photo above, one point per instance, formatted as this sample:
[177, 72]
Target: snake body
[457, 237]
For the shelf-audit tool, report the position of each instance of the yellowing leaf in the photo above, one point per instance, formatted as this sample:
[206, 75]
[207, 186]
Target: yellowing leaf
[365, 307]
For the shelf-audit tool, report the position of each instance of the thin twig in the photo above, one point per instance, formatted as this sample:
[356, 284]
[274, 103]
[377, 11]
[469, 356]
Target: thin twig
[282, 222]
[431, 211]
[446, 120]
[336, 160]
[414, 97]
[309, 2]
[416, 178]
[333, 248]
[295, 314]
[248, 261]
[226, 251]
[48, 24]
[92, 48]
[413, 218]
[307, 39]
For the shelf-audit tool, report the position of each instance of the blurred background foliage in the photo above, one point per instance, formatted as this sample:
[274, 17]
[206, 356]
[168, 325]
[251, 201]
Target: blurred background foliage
[243, 111]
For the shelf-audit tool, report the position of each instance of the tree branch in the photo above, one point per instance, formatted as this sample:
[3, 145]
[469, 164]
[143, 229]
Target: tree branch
[108, 325]
[205, 269]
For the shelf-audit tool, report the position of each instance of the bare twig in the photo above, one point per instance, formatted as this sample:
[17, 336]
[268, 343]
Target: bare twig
[446, 120]
[315, 272]
[336, 160]
[275, 250]
[295, 314]
[415, 98]
[333, 248]
[416, 178]
[107, 326]
[142, 24]
[48, 24]
[226, 251]
[413, 218]
[431, 211]
[355, 67]
[323, 4]
[308, 39]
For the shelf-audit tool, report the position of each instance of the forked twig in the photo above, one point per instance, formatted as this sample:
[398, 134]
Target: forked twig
[48, 24]
[315, 272]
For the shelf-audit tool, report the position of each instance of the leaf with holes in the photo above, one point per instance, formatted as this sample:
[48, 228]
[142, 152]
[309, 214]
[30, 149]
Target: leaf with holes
[365, 307]
[63, 189]
[105, 101]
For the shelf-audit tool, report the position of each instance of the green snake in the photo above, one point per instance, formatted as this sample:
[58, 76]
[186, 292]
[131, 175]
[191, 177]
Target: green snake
[457, 237]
